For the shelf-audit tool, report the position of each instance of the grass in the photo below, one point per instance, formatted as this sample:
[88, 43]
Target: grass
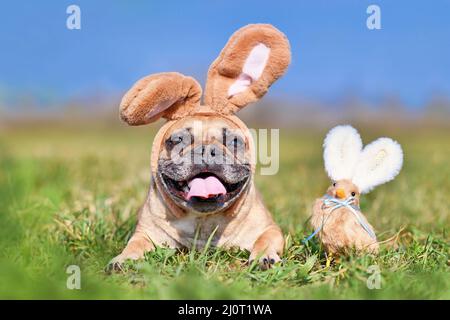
[70, 196]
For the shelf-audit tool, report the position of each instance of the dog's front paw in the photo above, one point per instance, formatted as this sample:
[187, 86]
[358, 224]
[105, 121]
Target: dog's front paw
[117, 263]
[265, 260]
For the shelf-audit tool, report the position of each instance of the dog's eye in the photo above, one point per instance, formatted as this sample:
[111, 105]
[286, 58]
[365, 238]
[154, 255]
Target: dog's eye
[234, 142]
[353, 194]
[334, 184]
[178, 139]
[174, 140]
[237, 142]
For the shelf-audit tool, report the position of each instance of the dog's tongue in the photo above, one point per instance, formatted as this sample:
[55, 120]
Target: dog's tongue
[205, 188]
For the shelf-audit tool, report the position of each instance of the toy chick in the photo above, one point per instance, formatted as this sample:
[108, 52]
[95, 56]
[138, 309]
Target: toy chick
[337, 219]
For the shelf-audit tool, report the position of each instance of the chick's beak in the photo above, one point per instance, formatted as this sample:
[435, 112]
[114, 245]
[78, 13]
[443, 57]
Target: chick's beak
[340, 193]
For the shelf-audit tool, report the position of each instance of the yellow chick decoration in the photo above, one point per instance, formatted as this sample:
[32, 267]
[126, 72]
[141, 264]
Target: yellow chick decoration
[337, 219]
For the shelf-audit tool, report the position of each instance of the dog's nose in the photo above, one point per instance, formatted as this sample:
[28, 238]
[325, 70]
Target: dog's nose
[207, 153]
[212, 151]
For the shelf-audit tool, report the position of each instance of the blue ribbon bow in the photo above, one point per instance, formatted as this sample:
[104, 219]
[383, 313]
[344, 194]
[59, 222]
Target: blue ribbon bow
[333, 204]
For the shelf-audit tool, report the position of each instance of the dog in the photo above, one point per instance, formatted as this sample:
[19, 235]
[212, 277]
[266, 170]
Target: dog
[202, 161]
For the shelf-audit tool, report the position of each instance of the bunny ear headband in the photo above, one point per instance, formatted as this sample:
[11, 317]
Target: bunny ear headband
[344, 156]
[254, 57]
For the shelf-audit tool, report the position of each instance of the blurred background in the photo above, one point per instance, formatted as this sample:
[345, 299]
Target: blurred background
[72, 175]
[340, 69]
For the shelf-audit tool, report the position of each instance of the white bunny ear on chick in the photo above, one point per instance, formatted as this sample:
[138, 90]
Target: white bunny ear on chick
[342, 149]
[379, 163]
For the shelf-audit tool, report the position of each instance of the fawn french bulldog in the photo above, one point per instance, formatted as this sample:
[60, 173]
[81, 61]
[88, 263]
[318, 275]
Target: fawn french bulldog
[202, 166]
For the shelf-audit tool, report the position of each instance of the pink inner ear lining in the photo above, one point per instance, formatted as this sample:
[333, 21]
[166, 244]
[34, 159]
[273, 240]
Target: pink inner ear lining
[160, 107]
[256, 61]
[241, 84]
[252, 70]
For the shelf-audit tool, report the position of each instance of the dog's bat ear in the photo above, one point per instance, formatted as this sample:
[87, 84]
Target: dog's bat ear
[170, 95]
[254, 57]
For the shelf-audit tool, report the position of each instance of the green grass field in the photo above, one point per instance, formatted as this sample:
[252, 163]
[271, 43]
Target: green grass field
[70, 195]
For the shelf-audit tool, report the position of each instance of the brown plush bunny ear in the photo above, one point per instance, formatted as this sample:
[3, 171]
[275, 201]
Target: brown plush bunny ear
[170, 95]
[254, 57]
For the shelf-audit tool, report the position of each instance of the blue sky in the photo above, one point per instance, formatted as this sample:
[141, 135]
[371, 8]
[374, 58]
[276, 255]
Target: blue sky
[334, 54]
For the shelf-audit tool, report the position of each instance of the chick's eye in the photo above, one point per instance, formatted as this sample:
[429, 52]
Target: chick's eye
[334, 184]
[353, 193]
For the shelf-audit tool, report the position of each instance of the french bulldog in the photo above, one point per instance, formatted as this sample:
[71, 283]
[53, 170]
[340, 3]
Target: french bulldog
[202, 160]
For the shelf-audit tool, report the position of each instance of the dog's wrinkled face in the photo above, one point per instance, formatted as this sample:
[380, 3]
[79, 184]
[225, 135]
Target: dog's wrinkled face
[204, 163]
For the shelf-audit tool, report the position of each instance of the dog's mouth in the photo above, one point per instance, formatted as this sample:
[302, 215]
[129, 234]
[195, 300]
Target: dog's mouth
[204, 192]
